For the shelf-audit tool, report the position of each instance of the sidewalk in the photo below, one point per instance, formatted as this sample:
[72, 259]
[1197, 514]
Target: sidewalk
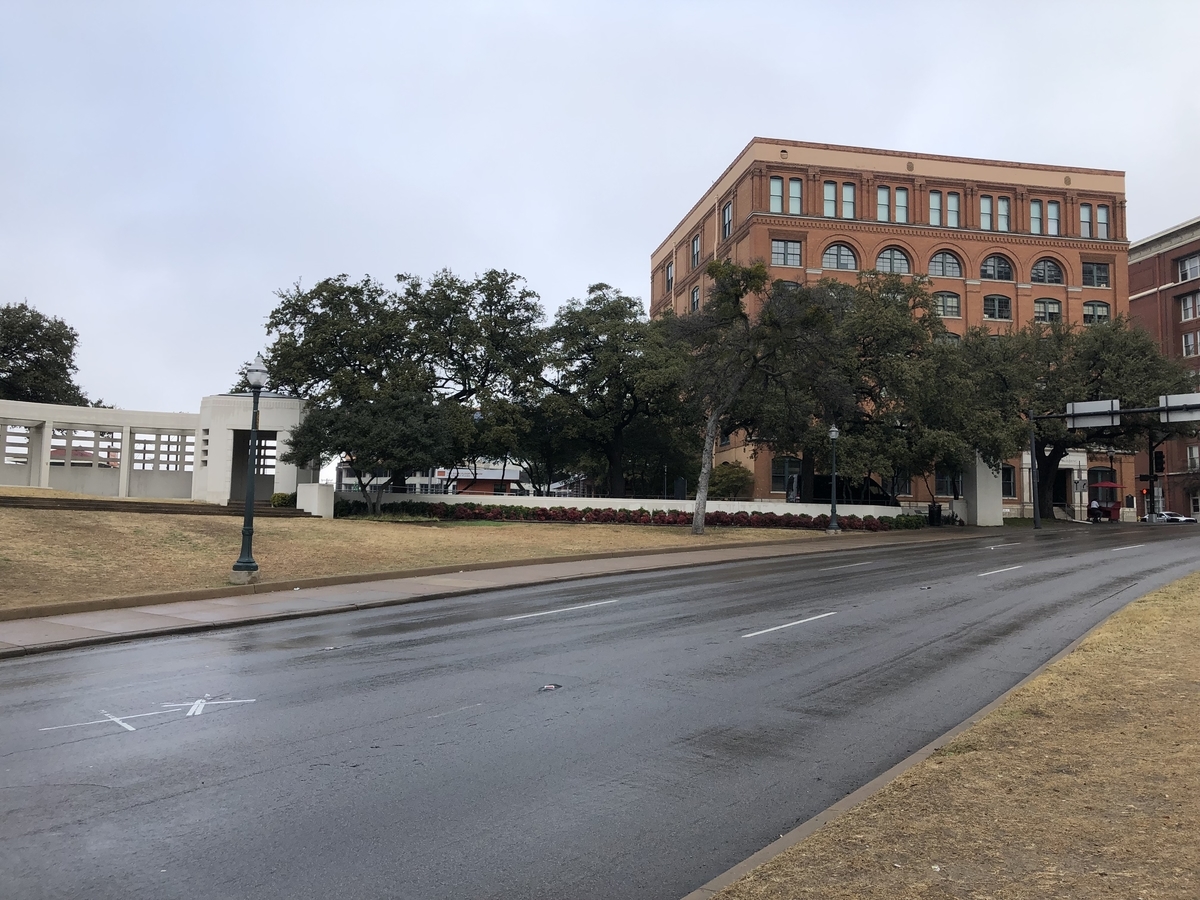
[271, 603]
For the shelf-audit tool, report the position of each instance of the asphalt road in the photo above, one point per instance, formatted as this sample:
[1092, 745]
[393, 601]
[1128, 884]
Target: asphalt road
[408, 752]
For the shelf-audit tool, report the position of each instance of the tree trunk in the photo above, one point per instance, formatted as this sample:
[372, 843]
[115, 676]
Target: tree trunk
[1047, 475]
[710, 440]
[616, 472]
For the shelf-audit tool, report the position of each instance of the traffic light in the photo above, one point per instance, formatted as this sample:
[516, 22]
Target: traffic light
[1145, 492]
[1160, 463]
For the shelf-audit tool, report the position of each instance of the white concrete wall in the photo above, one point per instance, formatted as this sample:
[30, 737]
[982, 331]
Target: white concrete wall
[316, 499]
[223, 414]
[779, 507]
[983, 496]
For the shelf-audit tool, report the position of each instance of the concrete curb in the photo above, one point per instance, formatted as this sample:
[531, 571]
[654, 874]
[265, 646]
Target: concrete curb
[872, 787]
[785, 549]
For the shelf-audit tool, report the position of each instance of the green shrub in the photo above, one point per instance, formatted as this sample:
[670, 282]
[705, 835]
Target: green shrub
[287, 500]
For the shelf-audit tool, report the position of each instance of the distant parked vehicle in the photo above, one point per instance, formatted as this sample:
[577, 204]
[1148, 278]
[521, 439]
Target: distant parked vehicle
[1170, 517]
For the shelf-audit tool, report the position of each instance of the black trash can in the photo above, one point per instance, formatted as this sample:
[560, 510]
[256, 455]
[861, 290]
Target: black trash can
[935, 514]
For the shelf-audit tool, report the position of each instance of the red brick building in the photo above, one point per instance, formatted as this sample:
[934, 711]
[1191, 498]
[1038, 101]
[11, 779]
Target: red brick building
[1003, 243]
[1164, 285]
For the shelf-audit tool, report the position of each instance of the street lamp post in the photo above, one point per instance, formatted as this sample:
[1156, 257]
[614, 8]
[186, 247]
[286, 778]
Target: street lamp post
[833, 522]
[245, 570]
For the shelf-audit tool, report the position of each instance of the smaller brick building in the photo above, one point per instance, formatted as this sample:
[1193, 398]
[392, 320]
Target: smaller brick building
[1164, 298]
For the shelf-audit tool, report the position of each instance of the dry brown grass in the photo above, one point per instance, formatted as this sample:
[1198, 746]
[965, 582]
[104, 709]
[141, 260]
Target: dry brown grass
[1084, 784]
[55, 556]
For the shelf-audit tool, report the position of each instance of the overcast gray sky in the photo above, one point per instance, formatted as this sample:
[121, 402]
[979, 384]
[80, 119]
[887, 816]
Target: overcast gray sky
[166, 166]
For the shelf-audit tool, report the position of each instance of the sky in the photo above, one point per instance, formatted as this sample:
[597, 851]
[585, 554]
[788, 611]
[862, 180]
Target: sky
[165, 167]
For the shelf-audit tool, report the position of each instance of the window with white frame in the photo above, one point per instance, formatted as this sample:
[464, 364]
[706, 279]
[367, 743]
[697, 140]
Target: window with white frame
[696, 298]
[947, 485]
[945, 265]
[838, 256]
[848, 200]
[1189, 344]
[952, 210]
[695, 251]
[883, 203]
[935, 208]
[1193, 457]
[1002, 210]
[726, 220]
[985, 212]
[1195, 503]
[997, 307]
[1008, 482]
[670, 276]
[948, 304]
[1189, 267]
[1047, 310]
[1035, 216]
[1052, 208]
[830, 209]
[902, 205]
[785, 253]
[1085, 220]
[794, 196]
[1102, 222]
[892, 260]
[1187, 307]
[1095, 312]
[776, 194]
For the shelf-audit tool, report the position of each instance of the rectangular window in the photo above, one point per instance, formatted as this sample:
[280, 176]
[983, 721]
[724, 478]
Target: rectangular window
[1002, 205]
[776, 194]
[785, 253]
[1008, 482]
[997, 308]
[1189, 345]
[1102, 222]
[1085, 220]
[947, 485]
[1189, 268]
[785, 470]
[830, 199]
[901, 204]
[1095, 274]
[1035, 216]
[883, 203]
[1193, 457]
[985, 213]
[794, 197]
[727, 220]
[935, 208]
[1052, 217]
[847, 201]
[948, 305]
[670, 276]
[695, 298]
[1187, 307]
[695, 251]
[952, 210]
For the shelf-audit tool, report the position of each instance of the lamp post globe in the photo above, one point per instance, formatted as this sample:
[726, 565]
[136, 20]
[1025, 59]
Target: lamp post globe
[245, 570]
[833, 527]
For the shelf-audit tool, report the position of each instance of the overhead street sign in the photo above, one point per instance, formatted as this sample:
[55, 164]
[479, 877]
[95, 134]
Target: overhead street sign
[1094, 414]
[1184, 414]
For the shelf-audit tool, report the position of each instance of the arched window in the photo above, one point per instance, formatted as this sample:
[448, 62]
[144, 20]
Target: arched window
[945, 265]
[838, 256]
[1047, 311]
[997, 307]
[1095, 312]
[996, 268]
[892, 260]
[947, 304]
[1046, 271]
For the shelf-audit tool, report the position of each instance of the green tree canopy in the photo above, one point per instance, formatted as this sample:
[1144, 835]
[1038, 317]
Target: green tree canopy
[37, 357]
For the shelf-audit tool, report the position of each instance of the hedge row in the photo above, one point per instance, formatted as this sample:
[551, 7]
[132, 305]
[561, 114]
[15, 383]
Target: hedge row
[478, 511]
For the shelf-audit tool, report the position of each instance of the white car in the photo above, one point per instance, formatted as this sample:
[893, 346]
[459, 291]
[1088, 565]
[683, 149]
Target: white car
[1170, 517]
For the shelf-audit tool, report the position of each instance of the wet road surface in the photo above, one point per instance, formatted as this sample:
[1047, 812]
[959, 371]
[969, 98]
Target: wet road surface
[628, 736]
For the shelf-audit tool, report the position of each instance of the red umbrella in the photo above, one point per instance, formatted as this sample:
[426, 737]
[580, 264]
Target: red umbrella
[1106, 484]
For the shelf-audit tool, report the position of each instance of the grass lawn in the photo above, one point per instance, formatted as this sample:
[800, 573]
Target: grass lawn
[1085, 784]
[53, 556]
